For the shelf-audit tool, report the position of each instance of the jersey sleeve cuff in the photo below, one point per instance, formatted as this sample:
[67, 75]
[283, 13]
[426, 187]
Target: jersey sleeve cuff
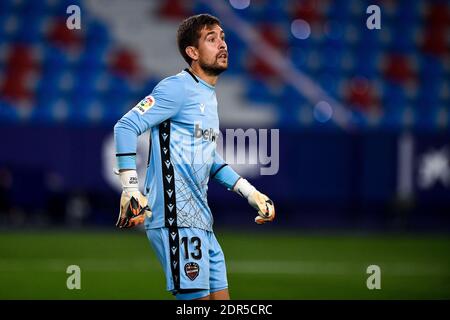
[226, 176]
[126, 162]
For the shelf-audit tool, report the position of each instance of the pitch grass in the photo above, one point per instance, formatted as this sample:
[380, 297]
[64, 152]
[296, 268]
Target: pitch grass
[122, 265]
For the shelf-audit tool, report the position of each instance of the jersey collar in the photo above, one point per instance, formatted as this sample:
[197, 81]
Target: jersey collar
[198, 79]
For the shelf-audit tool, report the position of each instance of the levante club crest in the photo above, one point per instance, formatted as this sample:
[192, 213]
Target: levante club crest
[192, 270]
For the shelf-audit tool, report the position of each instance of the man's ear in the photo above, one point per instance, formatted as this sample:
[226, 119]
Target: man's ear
[192, 52]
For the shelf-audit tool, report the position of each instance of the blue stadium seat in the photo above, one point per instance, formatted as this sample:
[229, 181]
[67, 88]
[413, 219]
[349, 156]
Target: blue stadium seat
[366, 63]
[8, 112]
[331, 55]
[359, 119]
[257, 91]
[339, 10]
[403, 38]
[29, 30]
[330, 81]
[54, 58]
[430, 67]
[393, 103]
[85, 82]
[273, 11]
[48, 84]
[407, 13]
[97, 35]
[292, 102]
[299, 55]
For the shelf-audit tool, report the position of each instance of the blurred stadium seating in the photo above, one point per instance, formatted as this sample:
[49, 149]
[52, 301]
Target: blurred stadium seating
[52, 74]
[61, 92]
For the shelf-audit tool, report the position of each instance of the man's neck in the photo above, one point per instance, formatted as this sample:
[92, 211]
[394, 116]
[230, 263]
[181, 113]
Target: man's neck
[196, 70]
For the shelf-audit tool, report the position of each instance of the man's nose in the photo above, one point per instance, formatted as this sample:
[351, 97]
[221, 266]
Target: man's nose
[222, 45]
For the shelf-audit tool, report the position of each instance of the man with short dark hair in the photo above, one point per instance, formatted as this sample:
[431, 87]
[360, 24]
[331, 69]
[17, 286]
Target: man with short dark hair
[181, 114]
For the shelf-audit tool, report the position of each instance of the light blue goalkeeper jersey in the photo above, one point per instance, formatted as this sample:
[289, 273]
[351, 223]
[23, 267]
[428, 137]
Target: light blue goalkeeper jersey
[181, 113]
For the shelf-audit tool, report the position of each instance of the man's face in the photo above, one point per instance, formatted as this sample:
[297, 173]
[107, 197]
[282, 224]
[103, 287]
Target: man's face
[212, 49]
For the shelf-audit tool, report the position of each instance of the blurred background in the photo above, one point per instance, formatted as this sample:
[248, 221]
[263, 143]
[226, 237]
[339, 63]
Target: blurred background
[364, 144]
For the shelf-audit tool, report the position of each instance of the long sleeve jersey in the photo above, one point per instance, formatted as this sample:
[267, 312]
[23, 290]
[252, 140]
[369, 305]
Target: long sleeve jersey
[181, 114]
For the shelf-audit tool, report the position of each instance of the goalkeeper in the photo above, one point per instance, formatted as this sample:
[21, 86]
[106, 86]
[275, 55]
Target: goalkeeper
[181, 114]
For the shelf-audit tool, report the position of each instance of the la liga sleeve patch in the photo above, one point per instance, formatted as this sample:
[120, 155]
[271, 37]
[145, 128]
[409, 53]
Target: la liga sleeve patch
[145, 104]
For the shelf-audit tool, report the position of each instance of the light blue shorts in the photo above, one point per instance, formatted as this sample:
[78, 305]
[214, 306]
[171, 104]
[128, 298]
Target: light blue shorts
[192, 260]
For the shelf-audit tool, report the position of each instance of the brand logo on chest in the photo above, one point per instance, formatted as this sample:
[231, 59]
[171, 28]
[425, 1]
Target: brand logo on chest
[207, 134]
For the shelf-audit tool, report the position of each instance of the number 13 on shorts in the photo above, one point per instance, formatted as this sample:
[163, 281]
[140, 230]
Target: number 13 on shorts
[199, 257]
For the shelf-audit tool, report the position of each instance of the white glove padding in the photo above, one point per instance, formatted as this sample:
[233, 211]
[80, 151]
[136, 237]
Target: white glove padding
[265, 207]
[258, 200]
[133, 204]
[133, 209]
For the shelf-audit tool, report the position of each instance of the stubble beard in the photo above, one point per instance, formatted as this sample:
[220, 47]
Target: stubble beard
[213, 69]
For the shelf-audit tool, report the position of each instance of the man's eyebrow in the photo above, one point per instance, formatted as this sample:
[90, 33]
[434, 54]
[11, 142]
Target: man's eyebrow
[212, 32]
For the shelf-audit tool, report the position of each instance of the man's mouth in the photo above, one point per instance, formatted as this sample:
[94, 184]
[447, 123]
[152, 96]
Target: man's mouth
[223, 55]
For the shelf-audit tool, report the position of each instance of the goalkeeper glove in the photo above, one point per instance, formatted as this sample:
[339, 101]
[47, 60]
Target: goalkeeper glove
[258, 200]
[133, 204]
